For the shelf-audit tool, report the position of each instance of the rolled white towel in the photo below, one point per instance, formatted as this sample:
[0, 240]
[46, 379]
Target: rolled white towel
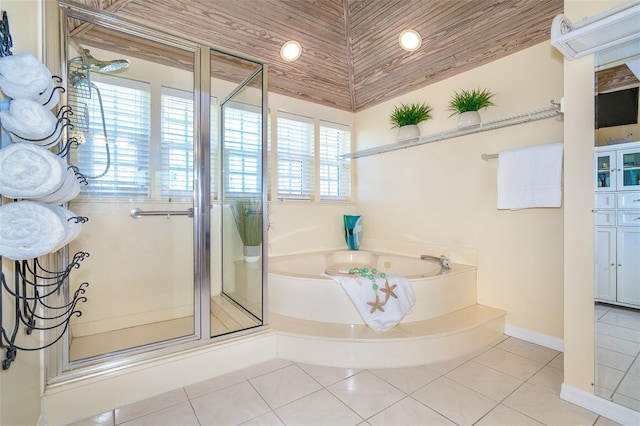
[23, 76]
[30, 121]
[29, 229]
[30, 171]
[69, 190]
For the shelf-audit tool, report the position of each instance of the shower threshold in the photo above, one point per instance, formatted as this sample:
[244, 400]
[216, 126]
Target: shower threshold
[225, 318]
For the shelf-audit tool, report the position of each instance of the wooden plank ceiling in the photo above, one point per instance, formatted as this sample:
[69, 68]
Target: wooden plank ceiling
[351, 58]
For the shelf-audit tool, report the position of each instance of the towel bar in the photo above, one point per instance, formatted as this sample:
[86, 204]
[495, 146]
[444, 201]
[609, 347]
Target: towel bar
[137, 213]
[487, 157]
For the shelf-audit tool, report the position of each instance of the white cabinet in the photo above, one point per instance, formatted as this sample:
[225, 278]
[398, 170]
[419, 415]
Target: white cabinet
[617, 224]
[606, 264]
[628, 266]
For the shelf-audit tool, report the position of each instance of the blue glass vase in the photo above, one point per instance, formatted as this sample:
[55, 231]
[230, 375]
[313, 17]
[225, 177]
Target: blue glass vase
[353, 231]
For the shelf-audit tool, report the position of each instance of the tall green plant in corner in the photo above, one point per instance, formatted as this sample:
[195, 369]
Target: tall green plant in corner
[247, 214]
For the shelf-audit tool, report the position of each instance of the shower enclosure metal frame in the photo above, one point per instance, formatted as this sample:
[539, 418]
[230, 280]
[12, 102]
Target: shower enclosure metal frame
[60, 369]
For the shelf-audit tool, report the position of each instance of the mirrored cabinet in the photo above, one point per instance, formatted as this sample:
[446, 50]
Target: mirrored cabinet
[617, 224]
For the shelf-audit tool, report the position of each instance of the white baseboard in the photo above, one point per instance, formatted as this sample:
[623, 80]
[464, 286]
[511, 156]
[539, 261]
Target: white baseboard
[603, 407]
[534, 337]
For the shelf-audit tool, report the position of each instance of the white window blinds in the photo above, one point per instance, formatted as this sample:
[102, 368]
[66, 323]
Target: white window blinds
[335, 170]
[242, 139]
[176, 130]
[124, 171]
[177, 144]
[295, 150]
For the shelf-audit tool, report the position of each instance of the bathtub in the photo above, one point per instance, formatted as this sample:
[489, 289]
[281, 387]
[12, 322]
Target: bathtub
[298, 289]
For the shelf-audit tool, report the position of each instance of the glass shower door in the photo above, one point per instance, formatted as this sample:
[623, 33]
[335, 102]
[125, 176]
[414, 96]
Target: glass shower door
[237, 288]
[134, 124]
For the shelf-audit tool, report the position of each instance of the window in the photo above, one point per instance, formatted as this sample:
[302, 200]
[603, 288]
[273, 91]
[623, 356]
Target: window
[176, 135]
[177, 144]
[115, 155]
[242, 136]
[295, 146]
[335, 170]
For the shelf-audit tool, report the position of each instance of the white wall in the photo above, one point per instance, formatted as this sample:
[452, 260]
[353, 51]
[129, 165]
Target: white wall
[443, 194]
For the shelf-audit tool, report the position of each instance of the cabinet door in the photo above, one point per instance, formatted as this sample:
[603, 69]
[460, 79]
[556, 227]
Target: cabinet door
[628, 256]
[605, 272]
[628, 169]
[605, 178]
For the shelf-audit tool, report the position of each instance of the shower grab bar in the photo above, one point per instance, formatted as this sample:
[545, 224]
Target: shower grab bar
[137, 213]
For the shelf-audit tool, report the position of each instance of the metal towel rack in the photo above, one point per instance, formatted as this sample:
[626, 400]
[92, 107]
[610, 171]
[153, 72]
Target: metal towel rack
[137, 213]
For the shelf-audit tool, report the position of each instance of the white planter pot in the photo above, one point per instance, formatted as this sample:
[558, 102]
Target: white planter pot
[410, 131]
[251, 253]
[468, 119]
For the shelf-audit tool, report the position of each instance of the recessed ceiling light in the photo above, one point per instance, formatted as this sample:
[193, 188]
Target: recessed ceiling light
[291, 50]
[410, 40]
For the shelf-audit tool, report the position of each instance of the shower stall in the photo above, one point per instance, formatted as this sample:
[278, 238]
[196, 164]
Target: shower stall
[170, 136]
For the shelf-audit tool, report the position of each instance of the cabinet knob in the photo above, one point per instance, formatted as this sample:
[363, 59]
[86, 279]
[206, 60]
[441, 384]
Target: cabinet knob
[619, 264]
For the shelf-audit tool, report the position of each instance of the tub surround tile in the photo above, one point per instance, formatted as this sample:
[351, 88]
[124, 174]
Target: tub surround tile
[320, 408]
[283, 386]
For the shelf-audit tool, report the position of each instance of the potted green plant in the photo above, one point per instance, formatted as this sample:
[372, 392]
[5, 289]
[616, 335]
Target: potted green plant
[467, 103]
[406, 118]
[247, 214]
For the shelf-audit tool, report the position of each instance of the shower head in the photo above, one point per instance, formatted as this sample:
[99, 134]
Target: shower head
[88, 62]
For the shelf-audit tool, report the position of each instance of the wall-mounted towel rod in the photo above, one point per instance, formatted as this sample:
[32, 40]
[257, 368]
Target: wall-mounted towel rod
[487, 157]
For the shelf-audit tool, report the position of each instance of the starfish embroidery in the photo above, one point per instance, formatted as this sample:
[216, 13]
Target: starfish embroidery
[376, 305]
[389, 290]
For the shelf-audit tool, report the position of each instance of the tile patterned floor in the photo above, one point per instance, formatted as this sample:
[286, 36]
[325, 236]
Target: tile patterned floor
[512, 382]
[618, 355]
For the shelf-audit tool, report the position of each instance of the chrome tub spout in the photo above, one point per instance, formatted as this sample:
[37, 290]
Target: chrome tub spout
[445, 262]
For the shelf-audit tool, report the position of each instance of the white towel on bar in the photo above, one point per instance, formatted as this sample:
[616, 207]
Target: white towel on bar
[69, 190]
[30, 171]
[25, 77]
[30, 121]
[29, 229]
[360, 291]
[530, 177]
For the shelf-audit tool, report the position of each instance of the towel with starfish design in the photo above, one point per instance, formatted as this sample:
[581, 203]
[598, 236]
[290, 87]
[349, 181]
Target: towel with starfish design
[383, 308]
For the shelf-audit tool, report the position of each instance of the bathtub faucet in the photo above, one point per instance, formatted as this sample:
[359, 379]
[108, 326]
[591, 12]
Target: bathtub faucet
[446, 263]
